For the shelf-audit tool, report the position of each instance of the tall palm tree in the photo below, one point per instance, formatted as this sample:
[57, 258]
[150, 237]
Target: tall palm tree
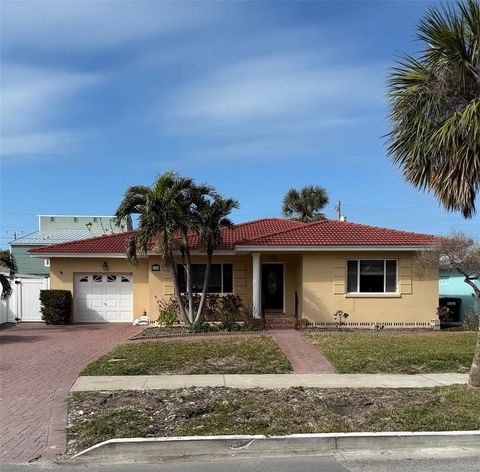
[163, 215]
[7, 261]
[305, 205]
[435, 108]
[210, 217]
[435, 114]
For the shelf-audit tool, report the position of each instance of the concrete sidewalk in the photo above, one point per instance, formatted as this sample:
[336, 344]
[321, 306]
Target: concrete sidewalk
[268, 381]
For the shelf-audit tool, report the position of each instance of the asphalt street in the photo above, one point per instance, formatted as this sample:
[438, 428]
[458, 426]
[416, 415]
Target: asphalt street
[433, 460]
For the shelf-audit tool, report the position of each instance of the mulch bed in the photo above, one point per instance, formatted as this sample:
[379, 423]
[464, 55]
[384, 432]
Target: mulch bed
[182, 332]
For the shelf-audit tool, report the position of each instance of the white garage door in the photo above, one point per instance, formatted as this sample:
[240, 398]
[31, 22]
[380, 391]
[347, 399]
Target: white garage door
[103, 297]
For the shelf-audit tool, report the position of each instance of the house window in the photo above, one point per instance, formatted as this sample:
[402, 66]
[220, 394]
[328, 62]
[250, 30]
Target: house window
[372, 276]
[97, 278]
[111, 278]
[84, 279]
[47, 262]
[221, 278]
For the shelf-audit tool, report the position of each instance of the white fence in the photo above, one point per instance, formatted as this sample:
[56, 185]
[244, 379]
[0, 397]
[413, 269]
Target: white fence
[24, 304]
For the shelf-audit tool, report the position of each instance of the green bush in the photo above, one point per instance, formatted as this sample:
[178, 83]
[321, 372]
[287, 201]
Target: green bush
[202, 327]
[229, 325]
[168, 312]
[231, 307]
[471, 321]
[56, 306]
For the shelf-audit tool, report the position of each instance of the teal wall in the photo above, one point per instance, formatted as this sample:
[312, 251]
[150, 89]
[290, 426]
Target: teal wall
[27, 264]
[95, 223]
[451, 284]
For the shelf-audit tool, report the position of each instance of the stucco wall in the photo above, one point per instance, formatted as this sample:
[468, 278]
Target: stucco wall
[63, 270]
[318, 279]
[324, 290]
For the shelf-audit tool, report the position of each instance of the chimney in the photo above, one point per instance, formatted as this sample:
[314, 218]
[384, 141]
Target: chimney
[342, 218]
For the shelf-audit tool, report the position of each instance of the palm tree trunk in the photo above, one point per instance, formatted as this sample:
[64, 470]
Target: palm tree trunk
[176, 285]
[203, 297]
[474, 377]
[188, 266]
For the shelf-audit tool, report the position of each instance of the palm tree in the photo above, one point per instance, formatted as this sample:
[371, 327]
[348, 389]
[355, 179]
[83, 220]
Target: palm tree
[164, 218]
[305, 205]
[210, 217]
[7, 261]
[435, 108]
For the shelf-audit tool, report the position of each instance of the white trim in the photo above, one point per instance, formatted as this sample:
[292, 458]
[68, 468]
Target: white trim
[261, 278]
[328, 248]
[123, 255]
[386, 294]
[250, 249]
[116, 255]
[256, 286]
[196, 252]
[79, 216]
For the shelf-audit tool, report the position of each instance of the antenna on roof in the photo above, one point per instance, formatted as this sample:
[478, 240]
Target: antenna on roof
[89, 226]
[338, 209]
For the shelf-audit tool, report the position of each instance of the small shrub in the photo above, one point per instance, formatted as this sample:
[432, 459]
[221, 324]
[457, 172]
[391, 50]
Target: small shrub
[341, 318]
[444, 314]
[248, 326]
[229, 325]
[202, 327]
[56, 306]
[210, 309]
[471, 321]
[167, 312]
[231, 307]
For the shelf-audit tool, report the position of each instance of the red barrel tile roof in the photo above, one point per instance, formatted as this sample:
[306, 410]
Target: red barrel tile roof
[264, 232]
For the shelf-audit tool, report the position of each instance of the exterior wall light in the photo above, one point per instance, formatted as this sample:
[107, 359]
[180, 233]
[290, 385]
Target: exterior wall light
[155, 267]
[105, 266]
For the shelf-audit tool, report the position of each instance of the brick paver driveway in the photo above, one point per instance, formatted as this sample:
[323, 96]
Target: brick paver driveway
[38, 365]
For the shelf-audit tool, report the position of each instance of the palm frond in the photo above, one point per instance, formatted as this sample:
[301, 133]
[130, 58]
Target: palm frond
[434, 108]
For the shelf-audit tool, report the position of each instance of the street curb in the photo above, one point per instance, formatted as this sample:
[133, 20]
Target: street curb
[128, 450]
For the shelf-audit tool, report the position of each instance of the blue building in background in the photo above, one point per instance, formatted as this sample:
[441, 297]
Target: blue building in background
[452, 284]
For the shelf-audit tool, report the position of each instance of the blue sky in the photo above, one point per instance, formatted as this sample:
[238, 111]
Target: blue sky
[253, 98]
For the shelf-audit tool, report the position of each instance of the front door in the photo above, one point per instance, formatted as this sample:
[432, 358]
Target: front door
[272, 286]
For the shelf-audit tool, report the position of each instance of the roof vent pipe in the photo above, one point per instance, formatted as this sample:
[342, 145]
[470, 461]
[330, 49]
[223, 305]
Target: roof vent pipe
[343, 218]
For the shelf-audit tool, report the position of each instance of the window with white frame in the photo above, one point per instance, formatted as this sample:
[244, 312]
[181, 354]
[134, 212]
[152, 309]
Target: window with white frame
[372, 276]
[47, 262]
[220, 281]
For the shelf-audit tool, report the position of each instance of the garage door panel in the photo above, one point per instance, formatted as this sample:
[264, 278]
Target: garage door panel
[125, 290]
[126, 304]
[103, 298]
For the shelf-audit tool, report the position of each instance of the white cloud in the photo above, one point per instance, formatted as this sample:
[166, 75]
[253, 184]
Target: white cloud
[42, 143]
[77, 25]
[278, 88]
[34, 101]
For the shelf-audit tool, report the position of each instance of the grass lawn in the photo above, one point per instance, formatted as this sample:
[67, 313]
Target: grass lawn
[98, 416]
[254, 355]
[404, 352]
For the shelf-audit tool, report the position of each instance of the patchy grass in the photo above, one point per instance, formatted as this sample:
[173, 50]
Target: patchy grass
[393, 352]
[98, 416]
[259, 355]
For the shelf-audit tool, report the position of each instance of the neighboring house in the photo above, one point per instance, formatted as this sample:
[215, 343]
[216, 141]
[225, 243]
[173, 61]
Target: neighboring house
[276, 266]
[452, 285]
[54, 229]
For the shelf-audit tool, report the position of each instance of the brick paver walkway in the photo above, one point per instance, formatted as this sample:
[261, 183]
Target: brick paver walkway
[38, 365]
[303, 355]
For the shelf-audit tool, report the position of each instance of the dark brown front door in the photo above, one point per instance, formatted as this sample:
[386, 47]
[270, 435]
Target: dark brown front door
[272, 286]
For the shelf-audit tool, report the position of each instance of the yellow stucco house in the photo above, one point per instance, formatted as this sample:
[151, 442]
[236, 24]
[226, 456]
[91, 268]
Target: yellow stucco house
[278, 267]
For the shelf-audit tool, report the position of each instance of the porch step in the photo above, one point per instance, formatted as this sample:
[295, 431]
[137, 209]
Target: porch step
[279, 321]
